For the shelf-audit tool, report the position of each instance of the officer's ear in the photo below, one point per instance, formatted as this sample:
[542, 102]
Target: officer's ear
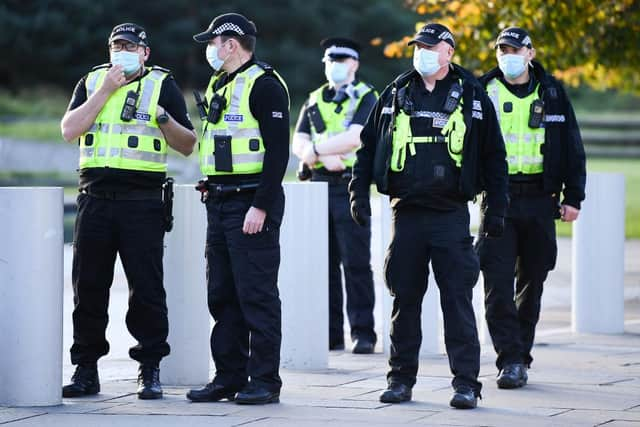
[532, 53]
[147, 53]
[450, 51]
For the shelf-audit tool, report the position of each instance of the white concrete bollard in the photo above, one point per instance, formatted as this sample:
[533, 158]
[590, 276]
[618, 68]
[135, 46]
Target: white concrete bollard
[598, 257]
[31, 289]
[431, 313]
[186, 286]
[304, 276]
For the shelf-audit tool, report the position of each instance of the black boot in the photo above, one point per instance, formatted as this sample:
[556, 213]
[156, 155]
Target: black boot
[513, 375]
[149, 382]
[363, 346]
[464, 398]
[254, 394]
[396, 393]
[84, 381]
[212, 392]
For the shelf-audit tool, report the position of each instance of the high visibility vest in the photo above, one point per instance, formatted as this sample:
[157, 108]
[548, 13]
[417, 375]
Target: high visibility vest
[452, 134]
[337, 122]
[236, 121]
[522, 143]
[137, 144]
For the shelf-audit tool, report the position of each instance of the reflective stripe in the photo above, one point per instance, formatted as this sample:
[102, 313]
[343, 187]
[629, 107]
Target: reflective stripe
[493, 90]
[128, 153]
[427, 139]
[102, 127]
[145, 96]
[237, 159]
[86, 151]
[125, 153]
[430, 114]
[239, 133]
[531, 160]
[90, 83]
[136, 129]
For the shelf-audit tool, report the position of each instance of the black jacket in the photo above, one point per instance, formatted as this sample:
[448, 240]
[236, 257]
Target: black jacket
[484, 167]
[564, 159]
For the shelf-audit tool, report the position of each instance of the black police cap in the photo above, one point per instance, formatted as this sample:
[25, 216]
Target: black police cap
[514, 37]
[340, 48]
[432, 34]
[130, 32]
[229, 24]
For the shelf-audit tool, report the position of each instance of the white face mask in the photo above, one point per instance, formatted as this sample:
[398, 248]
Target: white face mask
[336, 72]
[511, 65]
[426, 61]
[213, 59]
[130, 61]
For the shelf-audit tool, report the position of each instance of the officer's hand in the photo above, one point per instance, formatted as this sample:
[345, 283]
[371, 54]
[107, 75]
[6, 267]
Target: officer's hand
[361, 212]
[309, 157]
[114, 79]
[568, 213]
[253, 221]
[332, 163]
[493, 226]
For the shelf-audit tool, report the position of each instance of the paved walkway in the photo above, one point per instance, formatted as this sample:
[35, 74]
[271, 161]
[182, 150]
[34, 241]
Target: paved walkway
[575, 380]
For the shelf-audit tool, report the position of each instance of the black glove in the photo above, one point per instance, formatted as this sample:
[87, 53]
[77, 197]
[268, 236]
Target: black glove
[493, 226]
[361, 212]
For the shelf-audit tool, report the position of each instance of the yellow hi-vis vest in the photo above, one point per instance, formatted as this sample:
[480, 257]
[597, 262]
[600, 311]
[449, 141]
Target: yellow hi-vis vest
[452, 134]
[247, 147]
[337, 123]
[523, 144]
[134, 145]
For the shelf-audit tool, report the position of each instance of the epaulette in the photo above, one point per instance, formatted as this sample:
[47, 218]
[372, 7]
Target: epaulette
[266, 67]
[105, 65]
[159, 68]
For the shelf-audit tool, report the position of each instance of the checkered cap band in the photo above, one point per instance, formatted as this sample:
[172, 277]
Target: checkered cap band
[228, 26]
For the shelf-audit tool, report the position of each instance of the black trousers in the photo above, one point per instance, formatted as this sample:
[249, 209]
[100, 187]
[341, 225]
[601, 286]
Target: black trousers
[349, 246]
[526, 251]
[243, 298]
[420, 235]
[135, 230]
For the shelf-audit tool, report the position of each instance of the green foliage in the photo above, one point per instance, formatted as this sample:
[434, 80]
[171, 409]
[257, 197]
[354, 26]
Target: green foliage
[58, 41]
[580, 41]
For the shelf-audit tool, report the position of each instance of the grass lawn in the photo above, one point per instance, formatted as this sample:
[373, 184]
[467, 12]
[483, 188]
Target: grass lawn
[631, 170]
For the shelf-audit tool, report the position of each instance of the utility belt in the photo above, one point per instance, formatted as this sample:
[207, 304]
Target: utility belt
[533, 188]
[165, 194]
[209, 189]
[155, 194]
[342, 177]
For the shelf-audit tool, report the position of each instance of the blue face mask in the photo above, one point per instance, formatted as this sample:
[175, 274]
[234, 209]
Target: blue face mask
[511, 65]
[213, 59]
[336, 72]
[130, 61]
[426, 61]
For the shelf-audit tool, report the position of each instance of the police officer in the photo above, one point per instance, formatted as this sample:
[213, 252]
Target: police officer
[327, 136]
[545, 157]
[244, 153]
[432, 143]
[125, 115]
